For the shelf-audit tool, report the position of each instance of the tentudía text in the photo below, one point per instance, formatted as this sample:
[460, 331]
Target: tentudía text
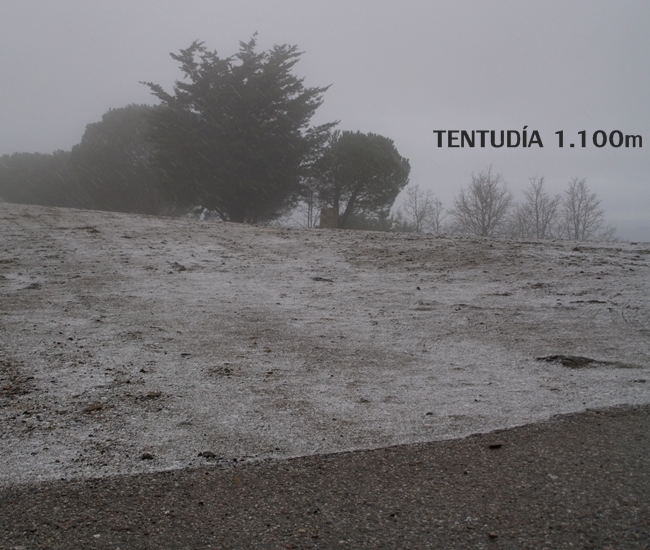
[486, 138]
[530, 138]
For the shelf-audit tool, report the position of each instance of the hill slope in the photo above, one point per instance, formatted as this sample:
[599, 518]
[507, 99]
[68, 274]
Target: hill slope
[122, 335]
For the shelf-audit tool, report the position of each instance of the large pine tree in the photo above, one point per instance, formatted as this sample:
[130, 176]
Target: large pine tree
[360, 175]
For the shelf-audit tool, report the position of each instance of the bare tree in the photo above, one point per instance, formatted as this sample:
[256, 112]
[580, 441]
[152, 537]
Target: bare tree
[308, 208]
[437, 217]
[483, 208]
[519, 224]
[422, 211]
[583, 217]
[537, 216]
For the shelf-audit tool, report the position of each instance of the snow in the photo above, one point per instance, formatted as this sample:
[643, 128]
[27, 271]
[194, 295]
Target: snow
[251, 342]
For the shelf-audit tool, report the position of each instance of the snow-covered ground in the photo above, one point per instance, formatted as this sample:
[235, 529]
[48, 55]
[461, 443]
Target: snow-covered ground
[122, 335]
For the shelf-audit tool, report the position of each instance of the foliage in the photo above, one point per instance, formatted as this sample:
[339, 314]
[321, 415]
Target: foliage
[483, 208]
[113, 163]
[108, 170]
[235, 137]
[370, 222]
[35, 178]
[360, 174]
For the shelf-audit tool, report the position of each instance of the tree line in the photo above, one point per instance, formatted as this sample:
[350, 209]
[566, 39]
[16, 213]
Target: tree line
[233, 137]
[486, 208]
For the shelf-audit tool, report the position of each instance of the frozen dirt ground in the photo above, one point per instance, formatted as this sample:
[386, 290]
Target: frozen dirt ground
[122, 335]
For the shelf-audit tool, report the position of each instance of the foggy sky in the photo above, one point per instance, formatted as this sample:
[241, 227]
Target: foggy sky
[398, 69]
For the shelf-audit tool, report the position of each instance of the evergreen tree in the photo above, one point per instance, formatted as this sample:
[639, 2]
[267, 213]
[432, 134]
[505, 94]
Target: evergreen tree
[360, 174]
[35, 178]
[112, 163]
[234, 136]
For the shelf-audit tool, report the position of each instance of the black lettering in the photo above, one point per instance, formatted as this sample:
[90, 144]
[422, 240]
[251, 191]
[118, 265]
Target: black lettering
[492, 140]
[451, 138]
[620, 138]
[595, 138]
[627, 141]
[439, 132]
[464, 136]
[535, 138]
[482, 134]
[510, 134]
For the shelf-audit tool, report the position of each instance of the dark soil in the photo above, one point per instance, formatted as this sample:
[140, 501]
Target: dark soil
[578, 481]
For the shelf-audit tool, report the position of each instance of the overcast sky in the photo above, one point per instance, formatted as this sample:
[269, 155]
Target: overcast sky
[400, 69]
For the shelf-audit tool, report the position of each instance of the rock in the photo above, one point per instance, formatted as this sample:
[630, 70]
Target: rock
[146, 456]
[571, 361]
[93, 407]
[496, 445]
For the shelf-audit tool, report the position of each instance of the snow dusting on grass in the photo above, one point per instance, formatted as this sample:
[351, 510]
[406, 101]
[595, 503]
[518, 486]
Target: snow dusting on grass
[133, 343]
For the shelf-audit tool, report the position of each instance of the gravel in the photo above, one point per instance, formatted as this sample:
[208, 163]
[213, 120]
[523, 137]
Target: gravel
[576, 481]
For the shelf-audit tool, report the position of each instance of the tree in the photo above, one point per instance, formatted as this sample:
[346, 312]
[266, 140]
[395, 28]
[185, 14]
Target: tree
[308, 208]
[35, 178]
[380, 221]
[483, 208]
[108, 170]
[360, 176]
[235, 136]
[113, 163]
[537, 216]
[582, 216]
[421, 211]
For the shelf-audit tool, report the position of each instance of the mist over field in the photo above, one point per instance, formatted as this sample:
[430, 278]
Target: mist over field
[396, 71]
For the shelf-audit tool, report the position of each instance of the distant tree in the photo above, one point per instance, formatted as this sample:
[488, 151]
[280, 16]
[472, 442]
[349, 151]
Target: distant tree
[483, 208]
[380, 221]
[421, 211]
[35, 178]
[360, 175]
[110, 169]
[582, 215]
[113, 163]
[537, 216]
[308, 208]
[399, 224]
[235, 137]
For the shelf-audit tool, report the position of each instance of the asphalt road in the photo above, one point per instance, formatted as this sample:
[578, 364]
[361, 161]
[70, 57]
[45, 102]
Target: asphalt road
[578, 481]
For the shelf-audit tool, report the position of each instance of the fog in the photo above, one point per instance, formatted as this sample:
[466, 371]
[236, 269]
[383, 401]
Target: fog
[398, 70]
